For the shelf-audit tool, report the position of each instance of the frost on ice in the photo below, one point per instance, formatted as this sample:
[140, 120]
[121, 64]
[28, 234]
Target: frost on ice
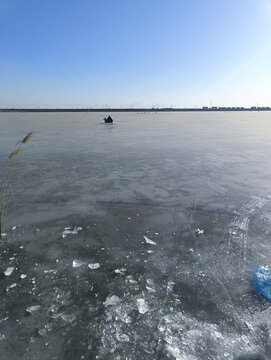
[149, 241]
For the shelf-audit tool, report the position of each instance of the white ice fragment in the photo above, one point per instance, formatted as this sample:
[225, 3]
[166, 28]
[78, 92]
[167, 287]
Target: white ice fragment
[12, 258]
[21, 247]
[11, 286]
[2, 337]
[76, 263]
[4, 319]
[111, 300]
[13, 228]
[33, 309]
[3, 234]
[199, 231]
[23, 276]
[120, 271]
[129, 218]
[156, 233]
[151, 290]
[9, 271]
[149, 241]
[142, 306]
[191, 250]
[94, 266]
[73, 232]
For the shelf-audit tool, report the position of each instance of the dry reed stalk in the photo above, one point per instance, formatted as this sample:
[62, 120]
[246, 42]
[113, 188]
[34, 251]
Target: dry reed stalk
[5, 181]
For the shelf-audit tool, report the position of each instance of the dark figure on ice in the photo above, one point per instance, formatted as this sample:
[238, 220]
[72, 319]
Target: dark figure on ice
[108, 120]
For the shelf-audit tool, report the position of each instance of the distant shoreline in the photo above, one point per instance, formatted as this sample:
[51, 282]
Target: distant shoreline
[144, 110]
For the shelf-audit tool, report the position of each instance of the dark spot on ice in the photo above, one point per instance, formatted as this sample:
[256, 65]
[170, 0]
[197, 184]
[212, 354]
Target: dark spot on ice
[252, 357]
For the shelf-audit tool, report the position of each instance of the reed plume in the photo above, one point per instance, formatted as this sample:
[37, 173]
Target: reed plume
[27, 138]
[5, 181]
[15, 153]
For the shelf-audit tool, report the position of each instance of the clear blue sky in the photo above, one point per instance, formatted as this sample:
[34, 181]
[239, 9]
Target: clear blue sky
[135, 52]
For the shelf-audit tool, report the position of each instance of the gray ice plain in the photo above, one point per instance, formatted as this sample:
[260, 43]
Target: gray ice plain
[135, 240]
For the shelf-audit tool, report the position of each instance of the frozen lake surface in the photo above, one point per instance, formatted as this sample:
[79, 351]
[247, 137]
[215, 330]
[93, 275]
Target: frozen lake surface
[135, 240]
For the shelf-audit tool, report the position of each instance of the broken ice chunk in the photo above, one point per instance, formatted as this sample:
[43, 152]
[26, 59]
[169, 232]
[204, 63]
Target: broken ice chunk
[149, 241]
[170, 286]
[9, 271]
[23, 276]
[73, 232]
[142, 306]
[199, 231]
[76, 263]
[94, 266]
[111, 300]
[33, 309]
[13, 228]
[4, 234]
[150, 251]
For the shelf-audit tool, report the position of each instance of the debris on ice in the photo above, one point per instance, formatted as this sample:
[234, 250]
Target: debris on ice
[33, 309]
[9, 271]
[77, 263]
[69, 231]
[142, 306]
[94, 266]
[199, 231]
[111, 300]
[149, 241]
